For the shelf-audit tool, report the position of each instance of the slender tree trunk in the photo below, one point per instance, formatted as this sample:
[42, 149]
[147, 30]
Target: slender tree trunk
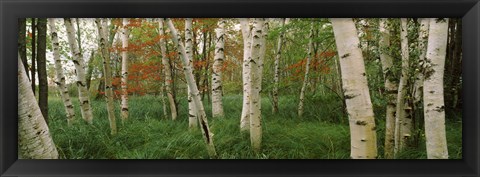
[83, 94]
[217, 105]
[34, 52]
[247, 45]
[457, 66]
[34, 139]
[255, 61]
[276, 71]
[433, 100]
[307, 68]
[22, 49]
[42, 67]
[403, 121]
[168, 72]
[422, 46]
[390, 88]
[124, 83]
[107, 73]
[363, 139]
[60, 77]
[192, 116]
[202, 117]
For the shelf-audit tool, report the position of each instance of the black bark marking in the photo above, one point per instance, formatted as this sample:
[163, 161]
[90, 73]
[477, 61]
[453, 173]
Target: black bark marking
[85, 102]
[191, 115]
[358, 122]
[374, 128]
[440, 109]
[79, 83]
[70, 106]
[205, 129]
[350, 96]
[345, 56]
[76, 62]
[124, 109]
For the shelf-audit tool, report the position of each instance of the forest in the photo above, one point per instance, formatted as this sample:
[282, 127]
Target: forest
[239, 88]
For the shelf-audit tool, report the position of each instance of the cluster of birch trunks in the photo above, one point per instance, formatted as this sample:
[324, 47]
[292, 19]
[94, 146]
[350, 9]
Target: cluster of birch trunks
[35, 141]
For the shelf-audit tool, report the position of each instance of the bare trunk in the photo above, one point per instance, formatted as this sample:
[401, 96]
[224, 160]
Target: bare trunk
[60, 77]
[422, 46]
[192, 116]
[83, 94]
[433, 99]
[217, 105]
[207, 134]
[363, 138]
[168, 72]
[107, 73]
[124, 114]
[34, 139]
[390, 88]
[22, 49]
[34, 52]
[276, 71]
[403, 121]
[42, 67]
[247, 45]
[307, 68]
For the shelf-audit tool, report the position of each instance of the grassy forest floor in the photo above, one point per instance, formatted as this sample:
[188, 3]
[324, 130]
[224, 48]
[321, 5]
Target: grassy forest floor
[322, 133]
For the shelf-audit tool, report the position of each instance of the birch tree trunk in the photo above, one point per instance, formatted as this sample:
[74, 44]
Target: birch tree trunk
[107, 73]
[403, 121]
[433, 100]
[200, 111]
[83, 94]
[34, 140]
[255, 63]
[307, 68]
[168, 72]
[363, 139]
[276, 71]
[247, 45]
[124, 114]
[34, 51]
[60, 77]
[390, 88]
[217, 105]
[192, 116]
[422, 46]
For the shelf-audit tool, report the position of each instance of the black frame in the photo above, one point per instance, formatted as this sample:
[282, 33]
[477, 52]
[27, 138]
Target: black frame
[10, 10]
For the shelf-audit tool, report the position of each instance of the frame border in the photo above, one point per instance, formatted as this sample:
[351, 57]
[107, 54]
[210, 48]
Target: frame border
[10, 10]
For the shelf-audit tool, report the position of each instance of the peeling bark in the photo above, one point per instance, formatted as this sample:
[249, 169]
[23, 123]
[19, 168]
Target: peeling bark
[217, 104]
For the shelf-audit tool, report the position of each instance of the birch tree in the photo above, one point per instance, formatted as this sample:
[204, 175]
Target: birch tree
[422, 41]
[255, 63]
[124, 114]
[34, 139]
[60, 77]
[276, 71]
[200, 111]
[307, 68]
[192, 116]
[247, 45]
[390, 88]
[83, 94]
[433, 99]
[107, 73]
[167, 70]
[403, 121]
[217, 104]
[363, 139]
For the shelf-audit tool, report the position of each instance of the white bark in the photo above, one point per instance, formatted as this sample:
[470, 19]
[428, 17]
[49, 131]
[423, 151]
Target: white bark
[276, 71]
[307, 68]
[255, 63]
[363, 139]
[34, 140]
[107, 73]
[200, 111]
[192, 116]
[217, 105]
[403, 121]
[390, 88]
[124, 104]
[422, 46]
[247, 45]
[83, 94]
[60, 77]
[433, 100]
[167, 71]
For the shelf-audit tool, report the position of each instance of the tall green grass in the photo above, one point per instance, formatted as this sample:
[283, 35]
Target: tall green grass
[322, 133]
